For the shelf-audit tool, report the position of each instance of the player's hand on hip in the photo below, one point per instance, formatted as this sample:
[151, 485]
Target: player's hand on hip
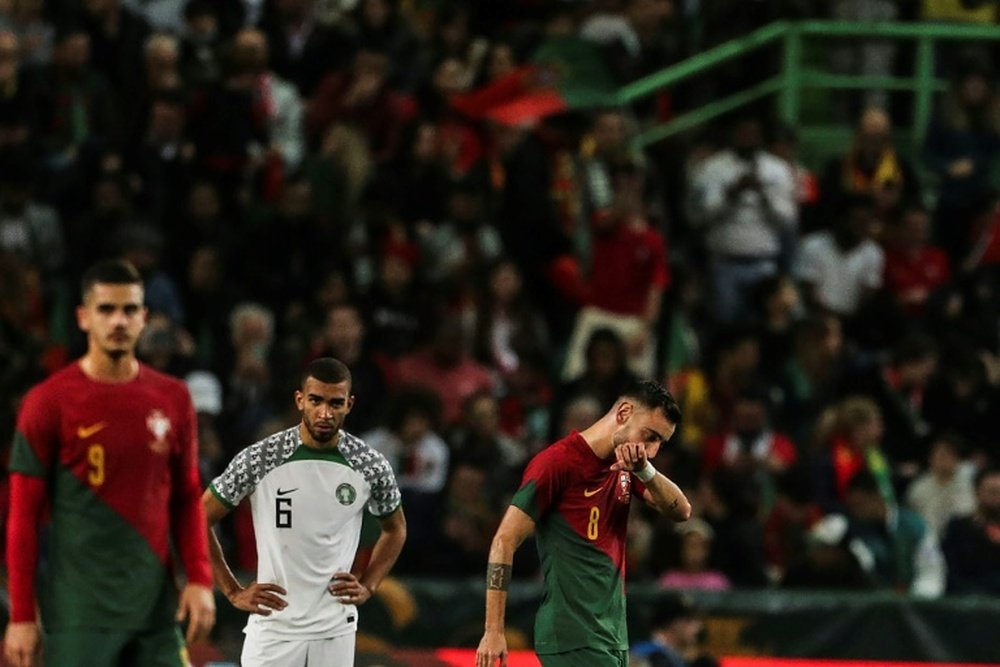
[259, 598]
[492, 647]
[22, 644]
[197, 605]
[348, 589]
[629, 456]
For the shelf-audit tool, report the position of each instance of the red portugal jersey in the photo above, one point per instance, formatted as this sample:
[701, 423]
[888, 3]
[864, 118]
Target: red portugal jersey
[580, 508]
[120, 465]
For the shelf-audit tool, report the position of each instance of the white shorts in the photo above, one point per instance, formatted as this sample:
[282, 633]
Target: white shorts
[332, 652]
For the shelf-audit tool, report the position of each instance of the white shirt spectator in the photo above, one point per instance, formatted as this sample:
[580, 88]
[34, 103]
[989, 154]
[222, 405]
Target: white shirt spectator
[939, 500]
[420, 467]
[840, 278]
[751, 224]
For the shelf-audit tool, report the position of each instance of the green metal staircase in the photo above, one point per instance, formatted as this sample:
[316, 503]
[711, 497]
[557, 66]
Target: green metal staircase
[801, 76]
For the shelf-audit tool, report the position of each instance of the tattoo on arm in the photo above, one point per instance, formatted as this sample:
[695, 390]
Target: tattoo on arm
[497, 576]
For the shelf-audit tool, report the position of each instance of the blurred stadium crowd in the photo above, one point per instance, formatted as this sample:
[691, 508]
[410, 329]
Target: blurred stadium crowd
[382, 181]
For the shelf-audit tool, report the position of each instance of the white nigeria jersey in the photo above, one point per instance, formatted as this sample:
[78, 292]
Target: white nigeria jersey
[307, 506]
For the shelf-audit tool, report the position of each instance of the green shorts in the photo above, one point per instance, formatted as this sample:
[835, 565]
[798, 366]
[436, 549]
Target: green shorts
[162, 647]
[591, 657]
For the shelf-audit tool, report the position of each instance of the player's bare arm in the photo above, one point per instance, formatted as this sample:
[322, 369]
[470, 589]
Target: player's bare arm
[256, 598]
[514, 529]
[661, 493]
[351, 589]
[22, 639]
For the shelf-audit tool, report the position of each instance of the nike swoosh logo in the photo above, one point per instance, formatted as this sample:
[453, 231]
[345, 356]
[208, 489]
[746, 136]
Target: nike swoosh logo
[588, 493]
[285, 492]
[85, 432]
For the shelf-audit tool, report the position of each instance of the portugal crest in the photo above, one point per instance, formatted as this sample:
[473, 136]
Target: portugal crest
[159, 425]
[346, 494]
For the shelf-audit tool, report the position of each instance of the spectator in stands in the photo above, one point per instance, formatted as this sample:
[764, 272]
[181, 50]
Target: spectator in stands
[248, 376]
[410, 439]
[446, 367]
[208, 299]
[778, 309]
[117, 38]
[166, 346]
[971, 544]
[730, 502]
[283, 108]
[398, 305]
[675, 636]
[200, 42]
[65, 88]
[833, 559]
[381, 25]
[604, 151]
[692, 568]
[915, 270]
[745, 207]
[945, 490]
[467, 523]
[163, 158]
[785, 145]
[340, 169]
[733, 366]
[26, 20]
[792, 515]
[478, 442]
[206, 395]
[29, 228]
[848, 442]
[872, 167]
[905, 552]
[605, 375]
[508, 325]
[898, 387]
[161, 75]
[841, 269]
[229, 122]
[750, 443]
[362, 97]
[626, 280]
[291, 245]
[303, 49]
[579, 413]
[964, 398]
[636, 40]
[22, 337]
[457, 249]
[810, 380]
[961, 148]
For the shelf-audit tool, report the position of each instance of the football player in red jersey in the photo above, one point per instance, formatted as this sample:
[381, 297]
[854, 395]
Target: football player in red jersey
[575, 496]
[106, 449]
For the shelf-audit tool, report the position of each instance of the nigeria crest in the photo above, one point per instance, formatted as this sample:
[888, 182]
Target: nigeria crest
[346, 494]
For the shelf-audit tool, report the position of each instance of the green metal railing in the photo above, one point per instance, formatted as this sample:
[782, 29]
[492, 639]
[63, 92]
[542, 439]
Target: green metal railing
[798, 75]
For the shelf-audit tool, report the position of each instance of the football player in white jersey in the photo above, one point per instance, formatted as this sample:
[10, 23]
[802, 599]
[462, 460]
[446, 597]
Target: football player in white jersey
[308, 488]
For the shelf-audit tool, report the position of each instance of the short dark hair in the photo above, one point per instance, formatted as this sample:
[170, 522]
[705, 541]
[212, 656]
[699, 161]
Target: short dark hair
[327, 370]
[653, 395]
[109, 272]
